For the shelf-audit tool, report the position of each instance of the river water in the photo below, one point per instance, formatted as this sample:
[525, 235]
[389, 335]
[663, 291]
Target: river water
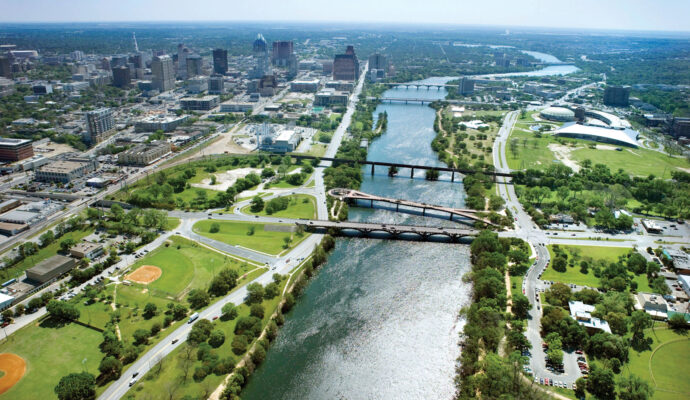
[379, 321]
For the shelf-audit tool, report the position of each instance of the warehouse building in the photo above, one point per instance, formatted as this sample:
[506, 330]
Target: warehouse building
[50, 268]
[163, 122]
[88, 250]
[205, 103]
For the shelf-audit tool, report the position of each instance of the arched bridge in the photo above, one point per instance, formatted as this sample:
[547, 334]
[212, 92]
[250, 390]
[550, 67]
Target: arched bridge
[350, 195]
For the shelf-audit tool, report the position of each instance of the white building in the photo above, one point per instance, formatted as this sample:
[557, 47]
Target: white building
[582, 313]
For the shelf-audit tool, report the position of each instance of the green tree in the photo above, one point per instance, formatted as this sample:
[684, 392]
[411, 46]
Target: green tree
[239, 344]
[257, 204]
[141, 336]
[601, 384]
[62, 311]
[255, 293]
[215, 227]
[217, 338]
[81, 386]
[66, 244]
[639, 321]
[110, 368]
[558, 294]
[257, 310]
[633, 388]
[150, 310]
[520, 305]
[229, 311]
[198, 298]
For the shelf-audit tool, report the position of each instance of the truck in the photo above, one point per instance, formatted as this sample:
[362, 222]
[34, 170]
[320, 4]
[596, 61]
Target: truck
[193, 318]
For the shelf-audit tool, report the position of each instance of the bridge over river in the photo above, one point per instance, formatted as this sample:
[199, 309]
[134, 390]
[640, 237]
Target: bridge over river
[397, 232]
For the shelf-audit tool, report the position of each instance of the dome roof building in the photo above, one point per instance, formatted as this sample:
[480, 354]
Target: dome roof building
[557, 114]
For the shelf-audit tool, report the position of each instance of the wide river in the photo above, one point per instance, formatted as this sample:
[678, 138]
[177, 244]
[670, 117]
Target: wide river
[380, 320]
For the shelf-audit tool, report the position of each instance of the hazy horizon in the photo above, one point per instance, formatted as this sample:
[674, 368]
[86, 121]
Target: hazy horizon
[612, 15]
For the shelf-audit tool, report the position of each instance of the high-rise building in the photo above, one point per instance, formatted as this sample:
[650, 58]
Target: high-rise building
[137, 59]
[220, 61]
[118, 61]
[216, 84]
[195, 65]
[282, 52]
[378, 61]
[466, 86]
[163, 73]
[121, 77]
[99, 124]
[263, 64]
[617, 96]
[346, 66]
[182, 53]
[5, 67]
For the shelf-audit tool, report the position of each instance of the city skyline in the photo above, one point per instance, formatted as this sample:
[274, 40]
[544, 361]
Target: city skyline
[635, 15]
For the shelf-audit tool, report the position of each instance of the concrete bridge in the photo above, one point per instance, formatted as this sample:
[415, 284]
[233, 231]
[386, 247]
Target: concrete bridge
[408, 100]
[427, 86]
[351, 196]
[395, 232]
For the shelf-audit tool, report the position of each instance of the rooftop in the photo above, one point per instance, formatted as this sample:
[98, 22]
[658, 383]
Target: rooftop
[13, 142]
[60, 167]
[581, 312]
[593, 132]
[50, 264]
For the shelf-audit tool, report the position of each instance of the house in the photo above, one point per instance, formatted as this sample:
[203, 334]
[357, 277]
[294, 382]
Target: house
[582, 313]
[652, 304]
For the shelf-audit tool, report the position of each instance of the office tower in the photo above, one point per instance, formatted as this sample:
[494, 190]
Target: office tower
[282, 52]
[5, 67]
[138, 60]
[263, 64]
[378, 61]
[466, 86]
[195, 65]
[99, 124]
[105, 64]
[163, 73]
[216, 84]
[182, 53]
[617, 96]
[346, 66]
[118, 61]
[121, 77]
[220, 61]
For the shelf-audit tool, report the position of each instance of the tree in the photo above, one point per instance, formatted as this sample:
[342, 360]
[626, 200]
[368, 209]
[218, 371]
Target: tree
[62, 311]
[257, 204]
[633, 388]
[639, 321]
[601, 384]
[35, 303]
[255, 293]
[239, 344]
[520, 305]
[81, 386]
[198, 298]
[149, 310]
[200, 332]
[110, 368]
[116, 212]
[215, 227]
[47, 238]
[559, 294]
[217, 338]
[259, 354]
[271, 290]
[229, 311]
[257, 310]
[179, 311]
[581, 384]
[560, 264]
[141, 336]
[677, 322]
[66, 244]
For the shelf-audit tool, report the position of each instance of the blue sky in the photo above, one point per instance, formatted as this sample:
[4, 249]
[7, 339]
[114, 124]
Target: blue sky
[668, 15]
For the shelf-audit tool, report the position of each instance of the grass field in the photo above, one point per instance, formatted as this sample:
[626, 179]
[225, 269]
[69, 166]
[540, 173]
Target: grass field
[172, 223]
[42, 254]
[236, 233]
[50, 354]
[171, 373]
[188, 267]
[669, 364]
[573, 274]
[641, 162]
[297, 208]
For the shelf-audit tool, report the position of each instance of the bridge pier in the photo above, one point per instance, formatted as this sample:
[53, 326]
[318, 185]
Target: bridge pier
[451, 216]
[452, 176]
[412, 173]
[372, 169]
[423, 211]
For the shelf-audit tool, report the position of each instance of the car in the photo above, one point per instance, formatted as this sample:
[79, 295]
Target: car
[536, 379]
[175, 341]
[132, 382]
[215, 318]
[134, 375]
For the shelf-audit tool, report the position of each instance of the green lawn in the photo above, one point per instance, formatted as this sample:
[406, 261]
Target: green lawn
[172, 223]
[641, 162]
[535, 154]
[42, 254]
[573, 274]
[150, 385]
[297, 208]
[188, 267]
[237, 233]
[669, 365]
[50, 354]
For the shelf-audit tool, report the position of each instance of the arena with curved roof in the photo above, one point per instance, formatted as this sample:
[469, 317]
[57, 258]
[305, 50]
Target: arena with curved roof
[557, 114]
[621, 137]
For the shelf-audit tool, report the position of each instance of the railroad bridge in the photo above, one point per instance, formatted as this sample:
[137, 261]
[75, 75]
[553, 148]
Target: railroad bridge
[395, 232]
[350, 196]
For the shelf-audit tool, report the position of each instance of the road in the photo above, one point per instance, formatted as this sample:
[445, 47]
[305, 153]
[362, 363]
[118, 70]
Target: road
[118, 388]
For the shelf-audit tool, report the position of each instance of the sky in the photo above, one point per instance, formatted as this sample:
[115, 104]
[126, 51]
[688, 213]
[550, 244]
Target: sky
[659, 15]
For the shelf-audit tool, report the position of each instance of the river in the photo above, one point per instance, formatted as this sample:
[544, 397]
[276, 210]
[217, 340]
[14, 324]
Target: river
[379, 321]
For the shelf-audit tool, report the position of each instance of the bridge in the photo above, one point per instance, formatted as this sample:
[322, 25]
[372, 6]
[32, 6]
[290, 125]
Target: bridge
[428, 86]
[412, 167]
[395, 232]
[350, 195]
[408, 100]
